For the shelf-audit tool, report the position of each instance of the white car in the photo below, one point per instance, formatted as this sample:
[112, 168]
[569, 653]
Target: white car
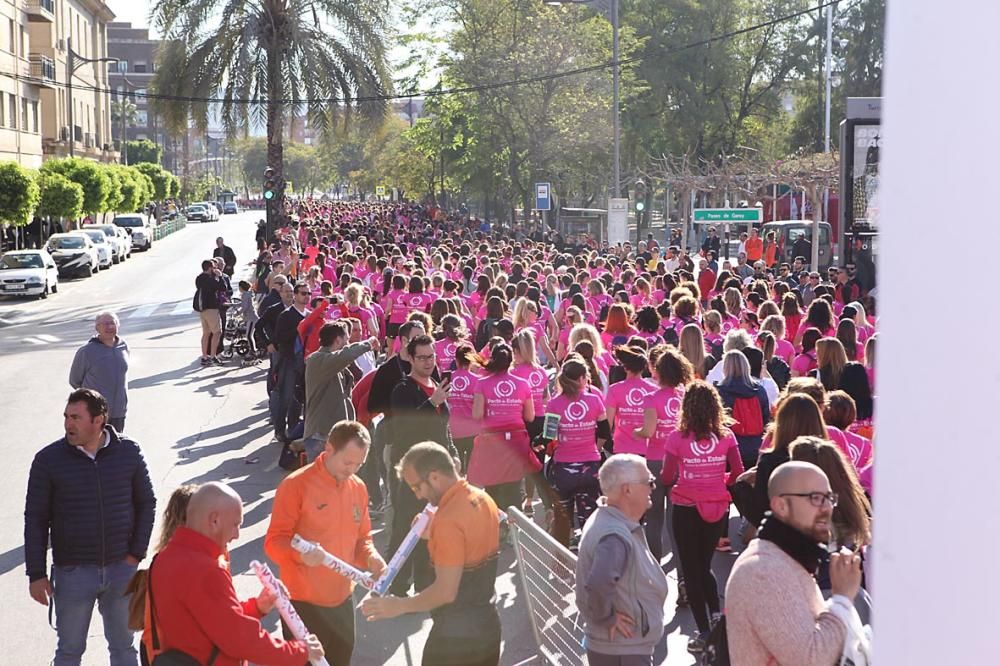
[28, 273]
[137, 228]
[101, 242]
[211, 212]
[120, 248]
[126, 240]
[74, 254]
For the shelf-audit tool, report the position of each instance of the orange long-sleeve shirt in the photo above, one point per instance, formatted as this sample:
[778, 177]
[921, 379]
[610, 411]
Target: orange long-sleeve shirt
[314, 505]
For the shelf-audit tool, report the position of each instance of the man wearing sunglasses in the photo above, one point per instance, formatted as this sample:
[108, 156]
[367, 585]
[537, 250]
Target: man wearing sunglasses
[620, 587]
[775, 612]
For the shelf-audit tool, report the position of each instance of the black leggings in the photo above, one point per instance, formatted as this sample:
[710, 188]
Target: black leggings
[696, 541]
[578, 489]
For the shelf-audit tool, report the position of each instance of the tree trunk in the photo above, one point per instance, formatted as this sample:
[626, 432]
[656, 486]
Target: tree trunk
[275, 111]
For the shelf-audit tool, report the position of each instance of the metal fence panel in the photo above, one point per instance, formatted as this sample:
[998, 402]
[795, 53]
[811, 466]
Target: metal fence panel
[548, 577]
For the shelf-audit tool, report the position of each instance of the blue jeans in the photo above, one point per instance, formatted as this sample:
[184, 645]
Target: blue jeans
[76, 588]
[284, 406]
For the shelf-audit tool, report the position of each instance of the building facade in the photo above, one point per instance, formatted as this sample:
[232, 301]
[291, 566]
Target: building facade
[131, 81]
[75, 107]
[24, 74]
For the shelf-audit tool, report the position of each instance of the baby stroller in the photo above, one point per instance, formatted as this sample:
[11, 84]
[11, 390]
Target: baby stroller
[236, 342]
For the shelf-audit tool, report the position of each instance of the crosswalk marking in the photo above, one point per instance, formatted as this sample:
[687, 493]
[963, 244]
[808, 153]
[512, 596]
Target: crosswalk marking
[34, 341]
[182, 308]
[144, 311]
[47, 338]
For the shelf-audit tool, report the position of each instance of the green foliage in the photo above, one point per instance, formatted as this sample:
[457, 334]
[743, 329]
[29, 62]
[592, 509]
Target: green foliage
[19, 194]
[174, 186]
[143, 150]
[159, 177]
[91, 176]
[115, 197]
[60, 196]
[306, 52]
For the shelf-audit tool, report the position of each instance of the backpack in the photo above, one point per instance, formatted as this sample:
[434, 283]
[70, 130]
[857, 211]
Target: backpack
[484, 332]
[716, 350]
[618, 341]
[748, 416]
[670, 336]
[716, 651]
[196, 301]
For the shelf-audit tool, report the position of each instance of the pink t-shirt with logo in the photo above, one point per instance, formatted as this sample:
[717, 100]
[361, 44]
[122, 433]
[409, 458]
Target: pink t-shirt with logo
[784, 350]
[701, 468]
[803, 364]
[416, 302]
[445, 351]
[537, 380]
[858, 449]
[666, 401]
[397, 311]
[578, 417]
[630, 399]
[460, 421]
[504, 395]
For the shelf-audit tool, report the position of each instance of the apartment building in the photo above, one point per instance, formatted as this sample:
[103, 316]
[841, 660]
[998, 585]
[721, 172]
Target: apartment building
[131, 80]
[22, 80]
[75, 111]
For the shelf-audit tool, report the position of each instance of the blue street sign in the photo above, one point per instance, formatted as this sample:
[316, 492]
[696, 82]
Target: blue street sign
[543, 196]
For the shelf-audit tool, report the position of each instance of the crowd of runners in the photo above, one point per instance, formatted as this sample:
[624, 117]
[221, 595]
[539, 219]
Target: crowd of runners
[630, 399]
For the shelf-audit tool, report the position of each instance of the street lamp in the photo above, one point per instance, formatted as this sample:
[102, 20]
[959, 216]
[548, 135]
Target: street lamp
[74, 61]
[609, 8]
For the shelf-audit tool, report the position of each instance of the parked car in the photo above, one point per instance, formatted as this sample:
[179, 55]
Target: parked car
[100, 242]
[137, 228]
[197, 212]
[74, 254]
[119, 247]
[230, 208]
[28, 273]
[126, 240]
[219, 208]
[211, 212]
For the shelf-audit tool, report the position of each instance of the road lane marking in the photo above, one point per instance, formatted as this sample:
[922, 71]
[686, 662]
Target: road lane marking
[144, 311]
[47, 338]
[181, 308]
[34, 341]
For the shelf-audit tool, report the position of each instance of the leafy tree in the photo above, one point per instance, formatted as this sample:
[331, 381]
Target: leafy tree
[92, 177]
[19, 194]
[285, 55]
[132, 189]
[143, 150]
[60, 197]
[115, 197]
[159, 178]
[174, 186]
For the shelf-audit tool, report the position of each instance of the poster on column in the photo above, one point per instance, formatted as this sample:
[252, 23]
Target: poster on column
[617, 221]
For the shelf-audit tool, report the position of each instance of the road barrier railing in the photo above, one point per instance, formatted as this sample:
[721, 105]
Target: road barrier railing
[548, 580]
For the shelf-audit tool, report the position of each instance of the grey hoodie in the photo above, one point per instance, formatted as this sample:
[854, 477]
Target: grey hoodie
[104, 369]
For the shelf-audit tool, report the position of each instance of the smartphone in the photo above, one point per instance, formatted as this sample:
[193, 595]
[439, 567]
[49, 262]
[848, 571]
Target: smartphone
[445, 377]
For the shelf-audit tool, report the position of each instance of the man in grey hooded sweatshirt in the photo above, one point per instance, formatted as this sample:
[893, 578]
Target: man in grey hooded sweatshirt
[102, 365]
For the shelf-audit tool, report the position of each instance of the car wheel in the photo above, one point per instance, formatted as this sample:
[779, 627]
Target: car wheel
[88, 271]
[45, 291]
[115, 260]
[55, 288]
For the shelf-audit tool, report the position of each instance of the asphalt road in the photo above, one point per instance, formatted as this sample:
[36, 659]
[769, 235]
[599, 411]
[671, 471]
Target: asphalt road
[195, 424]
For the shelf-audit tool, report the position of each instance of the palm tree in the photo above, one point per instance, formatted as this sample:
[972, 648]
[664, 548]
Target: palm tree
[284, 56]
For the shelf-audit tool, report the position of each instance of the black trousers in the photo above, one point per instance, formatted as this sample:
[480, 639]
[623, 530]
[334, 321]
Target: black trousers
[696, 542]
[333, 626]
[405, 507]
[447, 647]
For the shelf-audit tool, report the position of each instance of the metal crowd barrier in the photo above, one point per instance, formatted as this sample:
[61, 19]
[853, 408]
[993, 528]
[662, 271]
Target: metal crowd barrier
[548, 579]
[168, 227]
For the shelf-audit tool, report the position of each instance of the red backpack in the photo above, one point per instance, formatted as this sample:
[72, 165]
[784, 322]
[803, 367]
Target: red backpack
[748, 416]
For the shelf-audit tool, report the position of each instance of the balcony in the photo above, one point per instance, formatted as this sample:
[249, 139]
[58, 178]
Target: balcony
[41, 11]
[43, 69]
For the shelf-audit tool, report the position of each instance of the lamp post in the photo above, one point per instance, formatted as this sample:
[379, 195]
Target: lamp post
[610, 10]
[74, 61]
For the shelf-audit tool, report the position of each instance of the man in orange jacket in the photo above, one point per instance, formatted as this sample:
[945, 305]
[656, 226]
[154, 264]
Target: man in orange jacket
[192, 604]
[327, 504]
[754, 247]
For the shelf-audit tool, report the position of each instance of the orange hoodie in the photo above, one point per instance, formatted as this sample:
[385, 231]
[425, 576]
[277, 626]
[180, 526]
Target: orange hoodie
[314, 505]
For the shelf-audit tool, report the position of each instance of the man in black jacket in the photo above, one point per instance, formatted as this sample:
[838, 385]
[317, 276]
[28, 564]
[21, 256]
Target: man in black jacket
[418, 413]
[270, 309]
[91, 492]
[284, 405]
[227, 254]
[208, 285]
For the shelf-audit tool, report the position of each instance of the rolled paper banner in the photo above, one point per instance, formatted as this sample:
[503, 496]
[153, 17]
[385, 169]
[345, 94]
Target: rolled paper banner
[360, 577]
[284, 605]
[405, 549]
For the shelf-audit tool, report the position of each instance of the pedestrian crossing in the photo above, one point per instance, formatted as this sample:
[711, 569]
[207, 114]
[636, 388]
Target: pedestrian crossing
[152, 310]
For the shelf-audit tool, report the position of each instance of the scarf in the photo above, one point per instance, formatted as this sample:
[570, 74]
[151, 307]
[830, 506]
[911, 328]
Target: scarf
[797, 545]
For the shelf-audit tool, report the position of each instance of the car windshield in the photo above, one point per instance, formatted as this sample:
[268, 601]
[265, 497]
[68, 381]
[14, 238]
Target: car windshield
[108, 231]
[95, 235]
[195, 209]
[128, 222]
[9, 261]
[68, 243]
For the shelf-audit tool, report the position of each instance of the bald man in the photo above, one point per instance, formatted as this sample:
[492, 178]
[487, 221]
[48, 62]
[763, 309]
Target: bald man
[202, 617]
[775, 612]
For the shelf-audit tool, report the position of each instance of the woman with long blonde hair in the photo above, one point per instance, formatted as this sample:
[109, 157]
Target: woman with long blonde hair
[692, 347]
[830, 361]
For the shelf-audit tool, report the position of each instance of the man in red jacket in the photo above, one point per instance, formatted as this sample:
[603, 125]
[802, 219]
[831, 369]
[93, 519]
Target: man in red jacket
[193, 600]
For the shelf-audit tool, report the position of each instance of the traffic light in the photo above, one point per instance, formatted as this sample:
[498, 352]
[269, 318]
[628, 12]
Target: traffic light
[270, 185]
